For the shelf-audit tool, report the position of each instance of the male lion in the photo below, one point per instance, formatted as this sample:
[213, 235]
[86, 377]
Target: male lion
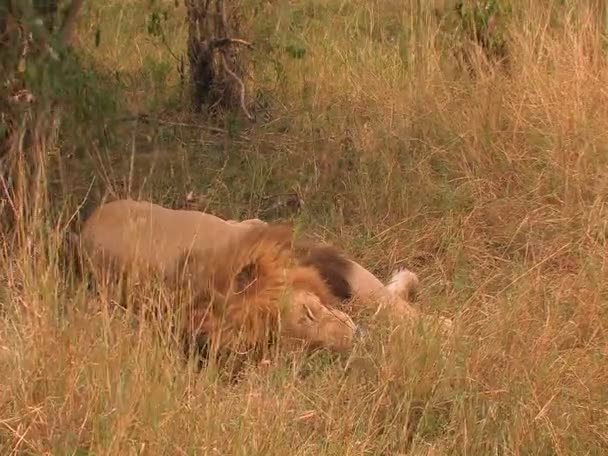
[243, 282]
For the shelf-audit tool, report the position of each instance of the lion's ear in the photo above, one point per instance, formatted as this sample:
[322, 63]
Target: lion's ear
[246, 277]
[259, 258]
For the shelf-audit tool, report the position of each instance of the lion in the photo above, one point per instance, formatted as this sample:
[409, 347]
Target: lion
[239, 280]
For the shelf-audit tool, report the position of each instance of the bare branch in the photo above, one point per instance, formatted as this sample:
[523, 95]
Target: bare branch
[220, 42]
[241, 85]
[215, 69]
[145, 118]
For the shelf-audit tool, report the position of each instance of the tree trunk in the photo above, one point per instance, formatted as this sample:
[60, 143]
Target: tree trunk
[25, 130]
[216, 65]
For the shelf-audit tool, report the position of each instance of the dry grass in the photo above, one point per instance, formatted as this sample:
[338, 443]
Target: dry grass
[493, 187]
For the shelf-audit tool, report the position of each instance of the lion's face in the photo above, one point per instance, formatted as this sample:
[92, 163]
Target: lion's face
[306, 319]
[299, 318]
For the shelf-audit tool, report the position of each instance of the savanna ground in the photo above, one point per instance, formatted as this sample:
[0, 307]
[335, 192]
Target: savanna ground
[490, 182]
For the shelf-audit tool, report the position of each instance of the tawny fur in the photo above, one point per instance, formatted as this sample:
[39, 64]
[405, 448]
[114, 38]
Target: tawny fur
[242, 268]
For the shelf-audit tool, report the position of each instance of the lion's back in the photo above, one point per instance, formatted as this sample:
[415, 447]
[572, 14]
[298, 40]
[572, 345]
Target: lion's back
[143, 233]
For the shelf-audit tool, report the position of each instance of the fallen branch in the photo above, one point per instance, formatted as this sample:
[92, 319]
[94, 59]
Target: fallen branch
[146, 118]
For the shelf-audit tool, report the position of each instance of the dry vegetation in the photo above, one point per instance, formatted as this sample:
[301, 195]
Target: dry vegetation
[491, 183]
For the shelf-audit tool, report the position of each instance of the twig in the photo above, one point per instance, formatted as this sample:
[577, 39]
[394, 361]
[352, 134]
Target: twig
[222, 12]
[220, 42]
[241, 85]
[80, 206]
[149, 119]
[164, 40]
[224, 26]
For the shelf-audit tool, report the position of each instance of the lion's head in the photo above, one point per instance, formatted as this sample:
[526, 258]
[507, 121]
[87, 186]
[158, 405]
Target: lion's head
[253, 290]
[311, 314]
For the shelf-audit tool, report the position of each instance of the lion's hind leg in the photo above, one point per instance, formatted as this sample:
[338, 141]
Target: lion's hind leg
[404, 283]
[403, 286]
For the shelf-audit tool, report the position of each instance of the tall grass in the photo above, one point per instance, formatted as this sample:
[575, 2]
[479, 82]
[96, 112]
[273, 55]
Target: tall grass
[489, 182]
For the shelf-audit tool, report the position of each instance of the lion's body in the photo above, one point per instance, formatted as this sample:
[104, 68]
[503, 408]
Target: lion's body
[154, 236]
[146, 237]
[246, 267]
[240, 274]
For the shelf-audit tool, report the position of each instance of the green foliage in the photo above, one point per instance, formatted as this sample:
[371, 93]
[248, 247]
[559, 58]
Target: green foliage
[157, 19]
[482, 21]
[55, 75]
[295, 51]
